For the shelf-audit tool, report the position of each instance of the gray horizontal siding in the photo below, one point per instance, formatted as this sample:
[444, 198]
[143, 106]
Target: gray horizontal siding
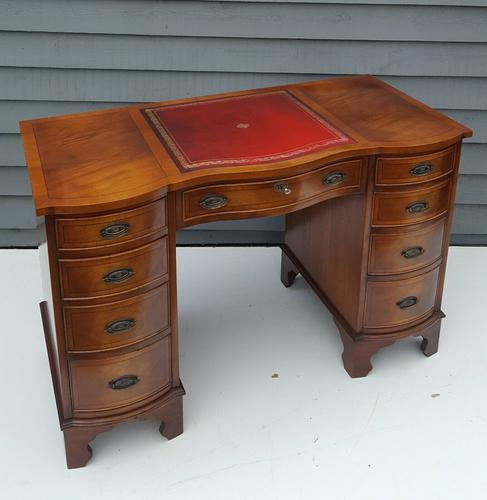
[14, 181]
[240, 55]
[264, 20]
[70, 56]
[23, 209]
[456, 3]
[474, 159]
[11, 152]
[15, 238]
[139, 86]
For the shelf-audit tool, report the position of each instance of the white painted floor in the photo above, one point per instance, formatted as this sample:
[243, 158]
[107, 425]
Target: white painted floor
[415, 428]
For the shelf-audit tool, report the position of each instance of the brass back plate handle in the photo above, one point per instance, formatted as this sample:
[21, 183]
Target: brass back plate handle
[213, 201]
[421, 169]
[119, 326]
[118, 275]
[412, 252]
[334, 178]
[407, 302]
[123, 382]
[115, 230]
[417, 207]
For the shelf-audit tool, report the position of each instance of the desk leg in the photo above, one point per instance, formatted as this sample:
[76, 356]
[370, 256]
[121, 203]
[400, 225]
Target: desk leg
[77, 444]
[357, 353]
[169, 412]
[172, 419]
[288, 271]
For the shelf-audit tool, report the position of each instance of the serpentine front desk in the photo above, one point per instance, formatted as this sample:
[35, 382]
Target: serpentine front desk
[365, 174]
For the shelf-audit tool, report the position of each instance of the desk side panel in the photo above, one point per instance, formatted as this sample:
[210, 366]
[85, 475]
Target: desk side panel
[328, 241]
[51, 311]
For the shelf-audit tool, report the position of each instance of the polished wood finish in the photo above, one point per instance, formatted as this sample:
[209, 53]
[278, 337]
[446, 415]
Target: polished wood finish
[392, 208]
[117, 324]
[83, 278]
[328, 241]
[405, 170]
[91, 378]
[88, 232]
[111, 159]
[372, 240]
[395, 250]
[386, 303]
[169, 411]
[266, 198]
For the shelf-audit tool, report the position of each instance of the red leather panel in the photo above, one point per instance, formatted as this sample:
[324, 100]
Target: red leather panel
[242, 130]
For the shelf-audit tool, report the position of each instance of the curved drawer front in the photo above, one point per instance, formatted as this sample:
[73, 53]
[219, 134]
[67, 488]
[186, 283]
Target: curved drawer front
[117, 324]
[394, 303]
[394, 208]
[250, 199]
[112, 229]
[414, 169]
[106, 383]
[397, 252]
[92, 277]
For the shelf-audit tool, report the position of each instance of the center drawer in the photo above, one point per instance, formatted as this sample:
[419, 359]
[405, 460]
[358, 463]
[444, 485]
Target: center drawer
[250, 199]
[107, 383]
[99, 276]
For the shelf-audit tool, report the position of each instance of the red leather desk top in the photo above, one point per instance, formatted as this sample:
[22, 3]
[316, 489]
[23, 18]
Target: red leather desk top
[241, 130]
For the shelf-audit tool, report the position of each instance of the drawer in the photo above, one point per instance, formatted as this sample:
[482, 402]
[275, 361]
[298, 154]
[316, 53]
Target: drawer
[256, 198]
[107, 383]
[414, 169]
[112, 229]
[393, 208]
[394, 303]
[394, 251]
[83, 278]
[117, 324]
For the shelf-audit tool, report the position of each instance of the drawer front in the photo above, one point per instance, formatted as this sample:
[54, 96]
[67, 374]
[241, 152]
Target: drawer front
[112, 229]
[397, 252]
[414, 169]
[394, 303]
[407, 207]
[107, 383]
[117, 324]
[255, 198]
[83, 278]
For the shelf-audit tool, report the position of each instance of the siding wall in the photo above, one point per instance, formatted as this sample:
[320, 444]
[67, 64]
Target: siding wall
[68, 56]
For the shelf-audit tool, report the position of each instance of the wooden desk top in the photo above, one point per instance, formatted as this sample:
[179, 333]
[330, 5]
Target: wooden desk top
[105, 160]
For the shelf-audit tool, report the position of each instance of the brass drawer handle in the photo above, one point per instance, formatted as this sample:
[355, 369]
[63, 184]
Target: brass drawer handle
[115, 230]
[407, 302]
[421, 169]
[119, 326]
[213, 201]
[412, 252]
[417, 207]
[118, 275]
[282, 187]
[123, 382]
[334, 178]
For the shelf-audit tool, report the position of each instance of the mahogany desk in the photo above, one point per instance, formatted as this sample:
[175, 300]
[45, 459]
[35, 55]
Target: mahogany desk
[365, 174]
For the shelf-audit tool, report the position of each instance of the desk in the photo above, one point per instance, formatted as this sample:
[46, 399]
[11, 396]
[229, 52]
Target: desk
[365, 174]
